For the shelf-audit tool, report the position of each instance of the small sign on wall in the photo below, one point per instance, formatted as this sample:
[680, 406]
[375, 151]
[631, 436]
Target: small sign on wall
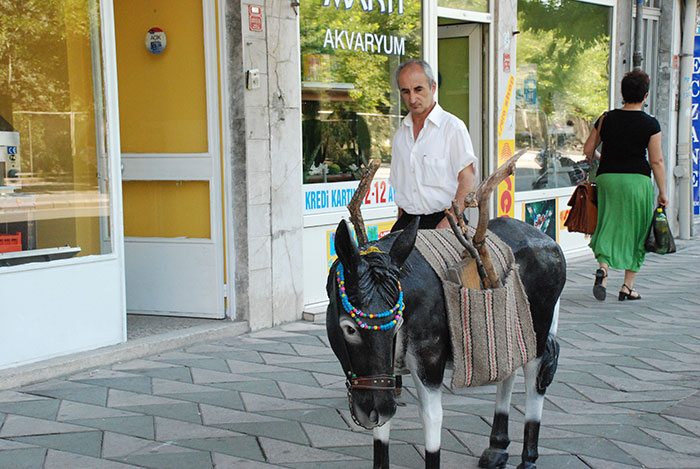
[255, 22]
[155, 41]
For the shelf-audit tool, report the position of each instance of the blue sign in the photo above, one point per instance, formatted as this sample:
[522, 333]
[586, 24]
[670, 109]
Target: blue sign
[695, 130]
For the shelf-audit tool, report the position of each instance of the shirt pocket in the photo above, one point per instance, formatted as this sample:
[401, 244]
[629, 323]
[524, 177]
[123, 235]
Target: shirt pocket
[434, 171]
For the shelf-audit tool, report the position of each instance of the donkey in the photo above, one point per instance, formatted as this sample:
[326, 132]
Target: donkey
[389, 272]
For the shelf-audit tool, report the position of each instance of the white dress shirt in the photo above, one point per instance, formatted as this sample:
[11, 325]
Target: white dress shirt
[424, 171]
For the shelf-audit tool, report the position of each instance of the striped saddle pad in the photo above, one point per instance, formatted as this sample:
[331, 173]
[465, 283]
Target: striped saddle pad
[491, 330]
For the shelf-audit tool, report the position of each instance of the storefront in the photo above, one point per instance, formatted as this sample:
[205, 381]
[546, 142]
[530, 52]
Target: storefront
[528, 75]
[61, 258]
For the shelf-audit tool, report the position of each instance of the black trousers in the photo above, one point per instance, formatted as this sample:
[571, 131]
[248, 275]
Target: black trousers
[427, 222]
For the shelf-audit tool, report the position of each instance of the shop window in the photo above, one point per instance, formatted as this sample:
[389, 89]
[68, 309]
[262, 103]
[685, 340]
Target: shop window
[53, 189]
[563, 56]
[350, 50]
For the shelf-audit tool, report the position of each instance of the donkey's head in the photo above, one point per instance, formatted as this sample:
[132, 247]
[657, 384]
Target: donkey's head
[364, 314]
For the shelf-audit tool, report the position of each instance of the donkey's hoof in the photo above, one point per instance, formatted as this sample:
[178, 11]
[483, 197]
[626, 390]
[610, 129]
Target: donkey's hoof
[527, 465]
[493, 458]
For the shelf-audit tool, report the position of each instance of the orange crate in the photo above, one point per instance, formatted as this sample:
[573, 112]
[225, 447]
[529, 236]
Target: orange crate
[10, 243]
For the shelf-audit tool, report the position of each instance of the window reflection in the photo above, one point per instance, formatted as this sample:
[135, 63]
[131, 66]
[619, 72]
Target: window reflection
[53, 186]
[350, 104]
[562, 88]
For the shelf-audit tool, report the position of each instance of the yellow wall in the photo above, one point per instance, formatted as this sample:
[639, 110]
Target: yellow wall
[166, 209]
[162, 98]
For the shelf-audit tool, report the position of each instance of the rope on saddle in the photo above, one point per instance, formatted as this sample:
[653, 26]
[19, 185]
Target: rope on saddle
[491, 329]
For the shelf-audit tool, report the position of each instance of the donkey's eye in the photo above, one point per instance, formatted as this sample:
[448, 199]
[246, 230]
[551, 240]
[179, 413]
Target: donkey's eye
[350, 331]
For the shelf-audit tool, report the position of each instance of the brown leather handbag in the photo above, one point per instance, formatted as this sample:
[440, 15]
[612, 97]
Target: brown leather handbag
[583, 216]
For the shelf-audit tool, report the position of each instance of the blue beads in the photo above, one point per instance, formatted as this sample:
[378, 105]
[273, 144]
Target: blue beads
[356, 314]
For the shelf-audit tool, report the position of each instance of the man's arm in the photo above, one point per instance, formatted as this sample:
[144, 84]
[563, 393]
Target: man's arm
[466, 179]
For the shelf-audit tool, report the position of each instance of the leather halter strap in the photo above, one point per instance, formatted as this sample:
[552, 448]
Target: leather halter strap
[372, 383]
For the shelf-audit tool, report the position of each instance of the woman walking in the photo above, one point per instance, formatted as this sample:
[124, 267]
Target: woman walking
[625, 190]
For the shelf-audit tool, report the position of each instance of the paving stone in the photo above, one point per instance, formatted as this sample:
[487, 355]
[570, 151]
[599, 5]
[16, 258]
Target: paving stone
[323, 437]
[189, 412]
[139, 425]
[174, 373]
[116, 446]
[14, 396]
[246, 368]
[214, 364]
[680, 444]
[298, 391]
[76, 410]
[692, 426]
[16, 425]
[400, 455]
[283, 430]
[221, 398]
[69, 390]
[214, 415]
[417, 438]
[256, 403]
[199, 459]
[43, 409]
[30, 458]
[652, 457]
[604, 464]
[141, 364]
[264, 387]
[10, 444]
[170, 429]
[282, 452]
[223, 461]
[86, 443]
[62, 460]
[329, 418]
[280, 359]
[242, 446]
[140, 384]
[200, 376]
[117, 398]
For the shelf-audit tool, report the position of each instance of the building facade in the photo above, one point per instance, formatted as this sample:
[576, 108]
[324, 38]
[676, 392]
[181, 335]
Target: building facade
[194, 158]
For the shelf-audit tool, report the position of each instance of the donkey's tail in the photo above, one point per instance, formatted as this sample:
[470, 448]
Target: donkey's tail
[548, 364]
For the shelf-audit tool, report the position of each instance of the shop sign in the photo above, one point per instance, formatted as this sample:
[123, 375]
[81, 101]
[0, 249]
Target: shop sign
[695, 129]
[385, 6]
[335, 196]
[366, 42]
[374, 231]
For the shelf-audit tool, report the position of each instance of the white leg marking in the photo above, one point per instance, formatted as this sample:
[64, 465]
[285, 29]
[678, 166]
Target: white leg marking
[535, 401]
[504, 391]
[431, 413]
[382, 433]
[555, 320]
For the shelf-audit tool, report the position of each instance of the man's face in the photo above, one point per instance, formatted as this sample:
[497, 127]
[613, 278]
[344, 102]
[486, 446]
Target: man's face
[416, 91]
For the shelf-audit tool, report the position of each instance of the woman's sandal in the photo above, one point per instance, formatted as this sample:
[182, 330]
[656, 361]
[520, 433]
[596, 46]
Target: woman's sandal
[628, 296]
[598, 288]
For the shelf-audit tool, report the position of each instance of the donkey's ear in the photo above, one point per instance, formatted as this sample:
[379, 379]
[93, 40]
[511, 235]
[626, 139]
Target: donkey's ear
[345, 246]
[403, 245]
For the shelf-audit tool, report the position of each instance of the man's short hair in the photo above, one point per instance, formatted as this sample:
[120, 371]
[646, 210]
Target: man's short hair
[427, 69]
[635, 85]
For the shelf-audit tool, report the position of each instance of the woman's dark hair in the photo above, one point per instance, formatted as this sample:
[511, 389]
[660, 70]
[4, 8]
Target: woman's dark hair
[635, 85]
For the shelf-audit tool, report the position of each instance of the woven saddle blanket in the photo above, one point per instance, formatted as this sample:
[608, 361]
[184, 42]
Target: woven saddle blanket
[491, 330]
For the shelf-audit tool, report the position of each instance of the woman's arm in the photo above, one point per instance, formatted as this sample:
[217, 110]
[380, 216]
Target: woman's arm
[592, 142]
[656, 159]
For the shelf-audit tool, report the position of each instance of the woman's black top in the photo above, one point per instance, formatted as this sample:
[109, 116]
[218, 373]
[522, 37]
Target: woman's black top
[625, 136]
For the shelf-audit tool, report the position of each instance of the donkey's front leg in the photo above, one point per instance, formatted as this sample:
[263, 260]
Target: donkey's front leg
[381, 446]
[431, 413]
[496, 455]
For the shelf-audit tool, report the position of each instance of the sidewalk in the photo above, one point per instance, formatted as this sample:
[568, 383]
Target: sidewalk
[626, 395]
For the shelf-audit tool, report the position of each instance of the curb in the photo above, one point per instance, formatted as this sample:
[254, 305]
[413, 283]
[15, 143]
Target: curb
[135, 348]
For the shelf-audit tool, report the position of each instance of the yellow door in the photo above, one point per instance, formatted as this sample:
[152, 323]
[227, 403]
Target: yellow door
[169, 123]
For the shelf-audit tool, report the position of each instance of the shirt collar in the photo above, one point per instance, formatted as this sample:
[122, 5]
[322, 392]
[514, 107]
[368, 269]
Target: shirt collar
[436, 116]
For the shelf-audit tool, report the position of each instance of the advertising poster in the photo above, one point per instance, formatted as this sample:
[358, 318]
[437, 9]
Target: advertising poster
[543, 216]
[695, 130]
[374, 232]
[506, 189]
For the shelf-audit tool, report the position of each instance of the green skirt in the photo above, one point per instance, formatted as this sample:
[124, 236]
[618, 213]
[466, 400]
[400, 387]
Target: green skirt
[625, 209]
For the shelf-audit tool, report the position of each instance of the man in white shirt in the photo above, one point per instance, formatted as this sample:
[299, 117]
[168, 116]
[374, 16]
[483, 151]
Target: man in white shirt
[432, 158]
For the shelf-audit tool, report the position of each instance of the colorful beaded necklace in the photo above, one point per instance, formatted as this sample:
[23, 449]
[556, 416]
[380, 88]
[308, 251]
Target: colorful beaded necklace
[356, 314]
